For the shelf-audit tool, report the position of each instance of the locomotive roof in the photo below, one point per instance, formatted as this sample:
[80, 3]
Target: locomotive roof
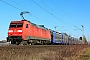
[16, 22]
[39, 26]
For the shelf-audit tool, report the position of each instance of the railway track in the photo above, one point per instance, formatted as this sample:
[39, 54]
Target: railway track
[38, 46]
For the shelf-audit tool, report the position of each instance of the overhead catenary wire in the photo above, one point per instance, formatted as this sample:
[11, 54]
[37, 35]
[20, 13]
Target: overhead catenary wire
[56, 17]
[11, 5]
[22, 10]
[51, 10]
[51, 14]
[44, 4]
[62, 11]
[18, 4]
[47, 11]
[31, 14]
[78, 28]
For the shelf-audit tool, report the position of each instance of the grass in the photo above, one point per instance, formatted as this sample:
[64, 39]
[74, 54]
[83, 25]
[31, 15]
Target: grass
[86, 55]
[70, 52]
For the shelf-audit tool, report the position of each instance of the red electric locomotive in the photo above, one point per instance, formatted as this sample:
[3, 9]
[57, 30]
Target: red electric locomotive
[25, 32]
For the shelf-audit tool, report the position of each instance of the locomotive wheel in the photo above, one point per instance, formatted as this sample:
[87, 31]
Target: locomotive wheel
[31, 43]
[24, 43]
[13, 42]
[42, 42]
[17, 43]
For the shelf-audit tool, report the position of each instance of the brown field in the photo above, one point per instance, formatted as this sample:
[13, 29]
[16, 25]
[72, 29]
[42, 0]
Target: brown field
[62, 52]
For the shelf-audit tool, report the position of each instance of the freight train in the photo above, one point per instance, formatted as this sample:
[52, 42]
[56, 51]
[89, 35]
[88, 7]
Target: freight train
[26, 32]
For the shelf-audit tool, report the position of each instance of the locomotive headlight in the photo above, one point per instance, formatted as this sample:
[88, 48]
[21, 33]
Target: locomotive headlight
[10, 30]
[19, 31]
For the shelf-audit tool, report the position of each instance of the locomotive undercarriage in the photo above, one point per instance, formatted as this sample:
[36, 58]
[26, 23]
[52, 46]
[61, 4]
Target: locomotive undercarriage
[19, 41]
[14, 39]
[36, 41]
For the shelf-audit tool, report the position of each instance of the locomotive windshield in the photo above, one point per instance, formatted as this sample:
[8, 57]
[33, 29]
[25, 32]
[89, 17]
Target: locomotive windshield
[16, 25]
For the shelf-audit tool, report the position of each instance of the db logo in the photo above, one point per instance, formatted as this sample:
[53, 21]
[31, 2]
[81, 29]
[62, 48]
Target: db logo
[15, 30]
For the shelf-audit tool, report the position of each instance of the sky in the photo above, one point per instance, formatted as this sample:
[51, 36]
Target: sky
[67, 15]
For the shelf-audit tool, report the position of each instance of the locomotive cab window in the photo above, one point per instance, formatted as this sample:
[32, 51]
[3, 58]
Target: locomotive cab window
[19, 25]
[26, 25]
[15, 25]
[12, 25]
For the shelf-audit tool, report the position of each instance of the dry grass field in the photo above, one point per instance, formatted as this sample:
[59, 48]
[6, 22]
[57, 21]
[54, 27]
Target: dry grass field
[69, 52]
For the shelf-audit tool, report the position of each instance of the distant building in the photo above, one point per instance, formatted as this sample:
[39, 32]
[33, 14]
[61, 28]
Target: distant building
[3, 41]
